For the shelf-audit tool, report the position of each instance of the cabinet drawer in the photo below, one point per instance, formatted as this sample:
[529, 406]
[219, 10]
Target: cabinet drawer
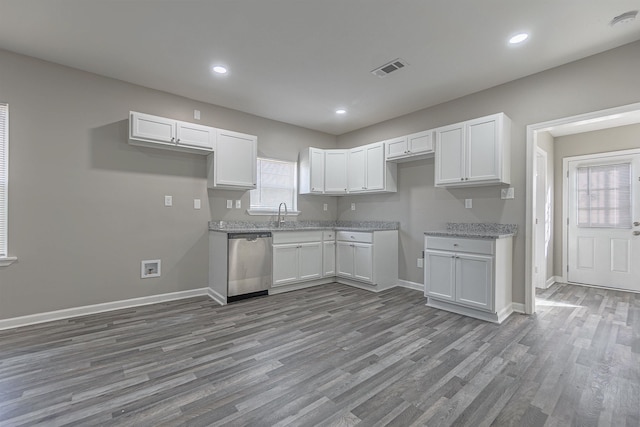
[296, 236]
[459, 244]
[329, 235]
[355, 236]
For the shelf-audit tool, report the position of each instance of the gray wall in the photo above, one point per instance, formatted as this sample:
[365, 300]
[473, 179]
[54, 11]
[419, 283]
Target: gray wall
[601, 141]
[85, 207]
[601, 81]
[545, 142]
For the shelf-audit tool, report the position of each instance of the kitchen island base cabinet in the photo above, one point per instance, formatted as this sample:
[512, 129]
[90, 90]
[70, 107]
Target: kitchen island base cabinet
[469, 276]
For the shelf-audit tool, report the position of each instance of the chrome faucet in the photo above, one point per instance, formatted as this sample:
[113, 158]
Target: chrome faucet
[280, 217]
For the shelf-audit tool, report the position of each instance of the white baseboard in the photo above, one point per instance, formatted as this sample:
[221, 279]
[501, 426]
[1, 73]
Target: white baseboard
[517, 307]
[411, 285]
[68, 313]
[214, 295]
[552, 280]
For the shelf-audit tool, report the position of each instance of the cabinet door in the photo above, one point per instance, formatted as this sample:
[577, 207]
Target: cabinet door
[316, 165]
[335, 171]
[396, 147]
[439, 275]
[450, 153]
[482, 149]
[329, 259]
[194, 135]
[357, 170]
[153, 128]
[375, 167]
[344, 259]
[235, 160]
[285, 264]
[420, 143]
[363, 262]
[474, 282]
[310, 260]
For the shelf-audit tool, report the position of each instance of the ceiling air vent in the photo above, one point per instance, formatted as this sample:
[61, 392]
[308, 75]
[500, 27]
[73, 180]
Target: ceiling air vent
[389, 68]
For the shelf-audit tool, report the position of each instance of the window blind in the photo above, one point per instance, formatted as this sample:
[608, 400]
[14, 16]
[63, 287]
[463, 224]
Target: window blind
[276, 184]
[4, 176]
[604, 196]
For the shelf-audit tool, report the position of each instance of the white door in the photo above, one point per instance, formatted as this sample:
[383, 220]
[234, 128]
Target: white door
[375, 167]
[310, 259]
[285, 264]
[603, 238]
[474, 283]
[439, 275]
[236, 159]
[329, 257]
[357, 169]
[335, 171]
[363, 261]
[344, 259]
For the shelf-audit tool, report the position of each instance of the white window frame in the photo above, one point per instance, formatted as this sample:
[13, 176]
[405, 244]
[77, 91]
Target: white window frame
[5, 259]
[273, 210]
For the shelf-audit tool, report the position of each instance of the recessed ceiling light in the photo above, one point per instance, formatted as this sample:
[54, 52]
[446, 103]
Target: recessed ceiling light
[518, 38]
[220, 69]
[625, 18]
[341, 111]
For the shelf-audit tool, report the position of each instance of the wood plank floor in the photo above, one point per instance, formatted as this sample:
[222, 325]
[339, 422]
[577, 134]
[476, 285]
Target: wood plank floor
[329, 355]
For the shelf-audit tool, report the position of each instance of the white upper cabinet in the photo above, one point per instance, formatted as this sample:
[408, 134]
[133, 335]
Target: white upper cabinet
[357, 169]
[311, 165]
[473, 153]
[234, 164]
[368, 171]
[160, 132]
[410, 147]
[335, 171]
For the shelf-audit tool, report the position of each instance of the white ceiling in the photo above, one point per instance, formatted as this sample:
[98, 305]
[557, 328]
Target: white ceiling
[298, 60]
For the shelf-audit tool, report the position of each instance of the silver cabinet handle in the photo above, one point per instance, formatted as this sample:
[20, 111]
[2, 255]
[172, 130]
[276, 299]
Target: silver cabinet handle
[178, 140]
[461, 179]
[455, 245]
[173, 139]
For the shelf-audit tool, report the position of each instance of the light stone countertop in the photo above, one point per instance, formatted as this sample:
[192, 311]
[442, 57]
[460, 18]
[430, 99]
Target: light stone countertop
[476, 230]
[250, 227]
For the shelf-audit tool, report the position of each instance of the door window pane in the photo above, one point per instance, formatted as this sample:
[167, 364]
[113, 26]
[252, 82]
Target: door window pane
[604, 196]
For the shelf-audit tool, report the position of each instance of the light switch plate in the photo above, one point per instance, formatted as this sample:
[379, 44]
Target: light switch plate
[196, 204]
[229, 204]
[168, 200]
[507, 193]
[420, 263]
[468, 203]
[325, 207]
[238, 204]
[353, 206]
[196, 114]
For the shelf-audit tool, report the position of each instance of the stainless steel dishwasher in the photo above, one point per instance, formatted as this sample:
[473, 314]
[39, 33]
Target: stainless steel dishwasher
[250, 265]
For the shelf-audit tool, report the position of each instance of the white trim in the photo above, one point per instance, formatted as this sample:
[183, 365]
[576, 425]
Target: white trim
[411, 285]
[471, 312]
[543, 154]
[518, 308]
[7, 261]
[216, 296]
[530, 205]
[68, 313]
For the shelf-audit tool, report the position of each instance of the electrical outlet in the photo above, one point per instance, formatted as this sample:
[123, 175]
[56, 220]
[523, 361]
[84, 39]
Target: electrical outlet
[168, 200]
[420, 263]
[229, 204]
[325, 207]
[196, 203]
[238, 204]
[507, 193]
[196, 114]
[353, 206]
[468, 203]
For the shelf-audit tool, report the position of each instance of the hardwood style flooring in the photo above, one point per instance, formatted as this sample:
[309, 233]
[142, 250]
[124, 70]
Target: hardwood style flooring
[329, 355]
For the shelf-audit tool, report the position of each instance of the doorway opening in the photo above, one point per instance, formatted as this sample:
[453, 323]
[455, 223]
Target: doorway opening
[593, 121]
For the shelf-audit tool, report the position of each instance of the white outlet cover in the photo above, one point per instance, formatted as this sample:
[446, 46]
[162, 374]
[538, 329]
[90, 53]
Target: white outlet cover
[229, 204]
[420, 263]
[353, 206]
[238, 204]
[196, 204]
[468, 203]
[168, 200]
[325, 207]
[196, 114]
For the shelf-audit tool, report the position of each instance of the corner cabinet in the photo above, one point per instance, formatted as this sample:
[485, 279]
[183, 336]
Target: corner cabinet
[233, 166]
[469, 276]
[474, 153]
[160, 132]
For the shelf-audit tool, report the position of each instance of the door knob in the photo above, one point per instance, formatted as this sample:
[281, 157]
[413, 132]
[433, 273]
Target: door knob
[637, 223]
[636, 233]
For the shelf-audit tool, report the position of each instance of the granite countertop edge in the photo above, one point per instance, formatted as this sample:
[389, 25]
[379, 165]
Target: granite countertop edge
[476, 230]
[445, 233]
[247, 228]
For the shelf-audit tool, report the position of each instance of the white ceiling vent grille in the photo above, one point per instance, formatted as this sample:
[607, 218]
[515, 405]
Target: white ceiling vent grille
[389, 68]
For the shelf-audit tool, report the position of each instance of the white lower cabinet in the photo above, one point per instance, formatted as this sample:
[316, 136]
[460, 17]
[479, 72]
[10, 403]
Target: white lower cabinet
[368, 257]
[297, 257]
[469, 276]
[328, 254]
